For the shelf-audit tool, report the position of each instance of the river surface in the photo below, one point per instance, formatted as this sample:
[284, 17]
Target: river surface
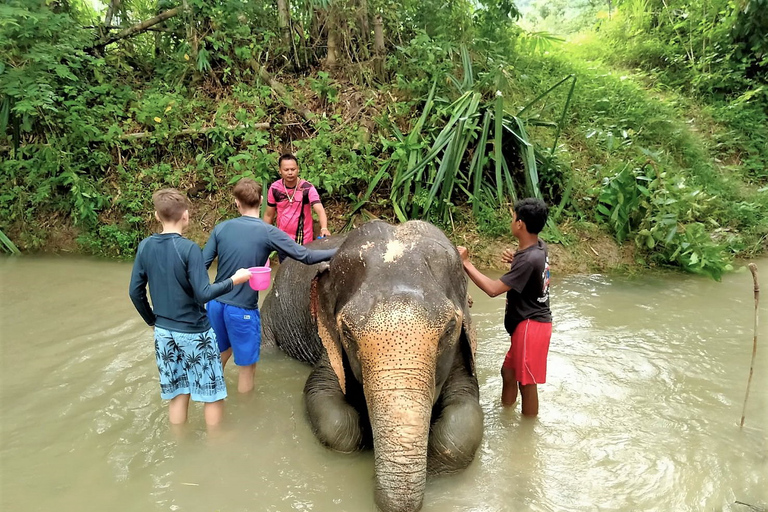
[640, 412]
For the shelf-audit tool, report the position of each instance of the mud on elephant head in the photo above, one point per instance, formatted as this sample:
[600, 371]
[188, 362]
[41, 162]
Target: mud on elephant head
[387, 326]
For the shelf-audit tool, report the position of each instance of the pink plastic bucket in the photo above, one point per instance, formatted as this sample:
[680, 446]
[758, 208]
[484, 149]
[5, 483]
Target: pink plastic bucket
[260, 277]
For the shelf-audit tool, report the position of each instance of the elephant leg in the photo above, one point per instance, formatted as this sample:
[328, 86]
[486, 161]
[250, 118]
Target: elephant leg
[334, 421]
[457, 423]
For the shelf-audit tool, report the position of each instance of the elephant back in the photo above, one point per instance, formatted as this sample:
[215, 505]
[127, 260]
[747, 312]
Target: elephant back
[285, 315]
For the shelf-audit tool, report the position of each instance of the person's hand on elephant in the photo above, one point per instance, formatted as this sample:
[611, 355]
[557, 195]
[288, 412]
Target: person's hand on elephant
[508, 256]
[463, 253]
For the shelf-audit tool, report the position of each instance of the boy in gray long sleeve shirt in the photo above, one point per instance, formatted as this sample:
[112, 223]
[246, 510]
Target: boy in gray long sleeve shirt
[185, 347]
[245, 242]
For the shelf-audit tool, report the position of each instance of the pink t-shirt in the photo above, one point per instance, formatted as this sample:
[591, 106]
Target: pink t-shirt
[294, 208]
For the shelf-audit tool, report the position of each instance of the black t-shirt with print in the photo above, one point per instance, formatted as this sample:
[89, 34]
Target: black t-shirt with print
[528, 279]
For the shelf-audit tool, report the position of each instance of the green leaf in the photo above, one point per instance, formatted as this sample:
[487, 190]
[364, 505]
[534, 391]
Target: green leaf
[497, 142]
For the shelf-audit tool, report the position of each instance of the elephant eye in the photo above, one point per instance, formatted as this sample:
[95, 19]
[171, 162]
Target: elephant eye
[450, 326]
[346, 332]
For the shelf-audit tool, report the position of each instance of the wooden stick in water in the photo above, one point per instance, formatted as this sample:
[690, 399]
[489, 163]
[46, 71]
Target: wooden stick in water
[753, 269]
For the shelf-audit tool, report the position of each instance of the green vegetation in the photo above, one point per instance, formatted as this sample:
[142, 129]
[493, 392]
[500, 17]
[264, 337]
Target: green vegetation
[648, 124]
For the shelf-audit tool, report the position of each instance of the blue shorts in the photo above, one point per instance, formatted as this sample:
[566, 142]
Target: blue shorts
[237, 328]
[189, 364]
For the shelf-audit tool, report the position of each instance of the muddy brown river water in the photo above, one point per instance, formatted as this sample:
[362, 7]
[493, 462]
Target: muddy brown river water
[641, 410]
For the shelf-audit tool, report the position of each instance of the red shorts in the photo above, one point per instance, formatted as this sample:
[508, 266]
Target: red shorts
[527, 355]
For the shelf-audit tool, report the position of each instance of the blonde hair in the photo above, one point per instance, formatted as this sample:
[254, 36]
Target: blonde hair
[170, 204]
[248, 192]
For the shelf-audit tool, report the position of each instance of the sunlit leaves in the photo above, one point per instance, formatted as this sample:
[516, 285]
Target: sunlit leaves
[665, 216]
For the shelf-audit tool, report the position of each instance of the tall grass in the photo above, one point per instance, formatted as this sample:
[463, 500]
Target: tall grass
[432, 170]
[7, 245]
[644, 173]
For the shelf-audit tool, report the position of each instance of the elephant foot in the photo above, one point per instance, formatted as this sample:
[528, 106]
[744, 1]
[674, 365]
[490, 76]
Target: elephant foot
[334, 421]
[455, 437]
[338, 428]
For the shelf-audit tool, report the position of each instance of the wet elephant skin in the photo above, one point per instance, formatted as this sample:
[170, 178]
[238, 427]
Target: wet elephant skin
[387, 327]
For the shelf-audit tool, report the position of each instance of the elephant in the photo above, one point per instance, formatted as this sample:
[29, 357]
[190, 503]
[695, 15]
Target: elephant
[386, 325]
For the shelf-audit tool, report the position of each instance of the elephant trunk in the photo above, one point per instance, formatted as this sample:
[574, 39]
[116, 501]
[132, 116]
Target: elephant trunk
[398, 353]
[400, 420]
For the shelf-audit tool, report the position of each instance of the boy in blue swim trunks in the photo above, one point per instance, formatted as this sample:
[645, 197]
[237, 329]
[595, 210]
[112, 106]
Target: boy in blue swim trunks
[244, 242]
[185, 345]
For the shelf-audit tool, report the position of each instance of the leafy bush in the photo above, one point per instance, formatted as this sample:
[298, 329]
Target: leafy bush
[667, 218]
[338, 160]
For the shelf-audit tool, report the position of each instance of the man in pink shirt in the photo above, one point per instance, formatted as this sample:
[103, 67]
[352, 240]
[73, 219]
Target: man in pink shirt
[294, 199]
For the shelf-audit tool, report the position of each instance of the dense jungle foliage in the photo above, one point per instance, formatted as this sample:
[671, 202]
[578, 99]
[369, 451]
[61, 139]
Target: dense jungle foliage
[645, 119]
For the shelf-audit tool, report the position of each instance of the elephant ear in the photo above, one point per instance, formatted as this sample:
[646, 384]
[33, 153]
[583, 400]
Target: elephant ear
[469, 338]
[325, 327]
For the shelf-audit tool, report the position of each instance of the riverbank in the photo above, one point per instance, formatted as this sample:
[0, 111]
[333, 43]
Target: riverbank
[587, 251]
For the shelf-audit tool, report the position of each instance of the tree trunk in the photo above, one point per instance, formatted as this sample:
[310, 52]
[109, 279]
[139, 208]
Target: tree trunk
[378, 47]
[365, 28]
[113, 6]
[315, 28]
[103, 30]
[189, 21]
[332, 27]
[284, 22]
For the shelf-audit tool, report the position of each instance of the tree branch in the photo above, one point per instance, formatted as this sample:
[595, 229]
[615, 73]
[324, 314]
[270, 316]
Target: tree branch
[280, 90]
[139, 27]
[113, 5]
[190, 131]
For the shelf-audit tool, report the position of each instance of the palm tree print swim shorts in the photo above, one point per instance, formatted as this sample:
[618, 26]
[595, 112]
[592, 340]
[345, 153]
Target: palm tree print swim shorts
[189, 363]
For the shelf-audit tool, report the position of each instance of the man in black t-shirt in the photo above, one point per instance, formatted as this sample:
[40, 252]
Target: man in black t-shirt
[527, 318]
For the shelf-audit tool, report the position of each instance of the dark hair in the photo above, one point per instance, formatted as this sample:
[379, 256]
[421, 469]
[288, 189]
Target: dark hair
[248, 192]
[286, 156]
[170, 204]
[533, 212]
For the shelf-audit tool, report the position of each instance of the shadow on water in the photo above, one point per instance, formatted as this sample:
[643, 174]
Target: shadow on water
[646, 382]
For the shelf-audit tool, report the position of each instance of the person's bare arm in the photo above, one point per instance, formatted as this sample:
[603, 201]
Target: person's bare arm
[489, 286]
[269, 214]
[322, 218]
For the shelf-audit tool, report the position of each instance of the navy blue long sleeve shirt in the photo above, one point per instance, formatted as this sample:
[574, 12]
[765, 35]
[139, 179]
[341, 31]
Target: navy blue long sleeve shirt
[245, 242]
[178, 283]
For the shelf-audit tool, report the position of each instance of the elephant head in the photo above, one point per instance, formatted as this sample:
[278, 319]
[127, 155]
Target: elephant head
[396, 364]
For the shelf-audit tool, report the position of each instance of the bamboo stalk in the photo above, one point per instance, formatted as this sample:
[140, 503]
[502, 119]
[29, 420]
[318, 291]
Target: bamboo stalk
[753, 269]
[332, 27]
[378, 47]
[283, 22]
